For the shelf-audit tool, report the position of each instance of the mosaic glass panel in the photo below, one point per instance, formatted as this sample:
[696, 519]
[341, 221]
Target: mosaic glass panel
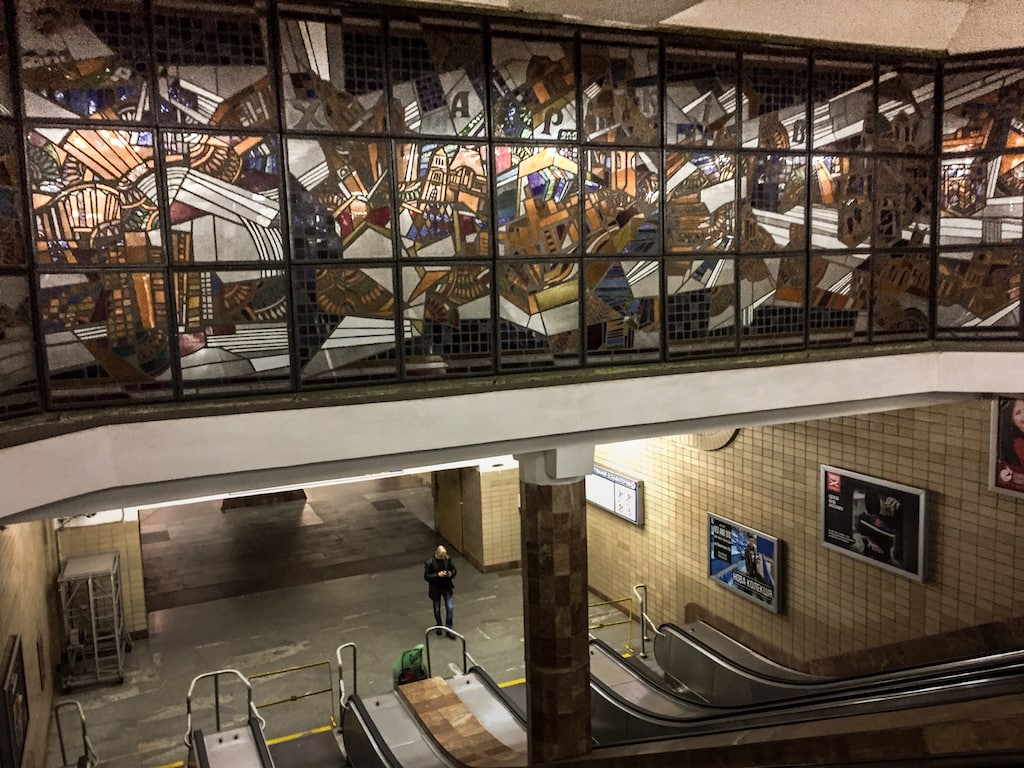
[983, 109]
[537, 201]
[621, 209]
[6, 101]
[213, 70]
[840, 296]
[700, 99]
[437, 79]
[346, 324]
[620, 309]
[334, 75]
[773, 194]
[901, 285]
[906, 110]
[903, 201]
[90, 61]
[978, 292]
[19, 392]
[232, 330]
[533, 89]
[620, 94]
[771, 290]
[12, 242]
[340, 198]
[106, 335]
[94, 196]
[447, 320]
[843, 102]
[444, 208]
[700, 201]
[980, 199]
[774, 108]
[841, 201]
[539, 315]
[224, 198]
[700, 306]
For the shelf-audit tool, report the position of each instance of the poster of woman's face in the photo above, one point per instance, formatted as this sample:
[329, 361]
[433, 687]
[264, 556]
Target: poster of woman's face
[1006, 463]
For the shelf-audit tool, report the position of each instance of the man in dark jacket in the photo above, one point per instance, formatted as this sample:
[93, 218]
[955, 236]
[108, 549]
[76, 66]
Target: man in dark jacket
[439, 571]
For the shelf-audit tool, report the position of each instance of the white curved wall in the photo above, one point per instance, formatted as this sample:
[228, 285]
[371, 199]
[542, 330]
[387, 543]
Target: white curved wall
[135, 464]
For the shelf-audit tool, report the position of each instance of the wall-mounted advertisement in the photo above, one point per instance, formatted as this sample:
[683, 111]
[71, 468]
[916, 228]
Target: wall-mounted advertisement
[1006, 454]
[745, 561]
[874, 520]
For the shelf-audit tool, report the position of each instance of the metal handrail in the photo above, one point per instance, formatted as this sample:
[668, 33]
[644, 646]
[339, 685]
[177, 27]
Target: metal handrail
[466, 658]
[89, 752]
[216, 700]
[645, 619]
[342, 698]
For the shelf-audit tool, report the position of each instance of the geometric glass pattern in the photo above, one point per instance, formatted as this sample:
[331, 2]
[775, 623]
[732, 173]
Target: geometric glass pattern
[620, 94]
[700, 99]
[346, 324]
[843, 104]
[437, 79]
[539, 308]
[700, 201]
[841, 201]
[340, 199]
[106, 335]
[620, 310]
[6, 100]
[232, 330]
[979, 291]
[980, 199]
[903, 201]
[533, 89]
[95, 197]
[213, 70]
[902, 282]
[92, 65]
[224, 197]
[839, 300]
[12, 229]
[983, 109]
[447, 319]
[444, 208]
[537, 201]
[334, 75]
[906, 110]
[621, 208]
[773, 198]
[774, 102]
[700, 306]
[19, 393]
[771, 292]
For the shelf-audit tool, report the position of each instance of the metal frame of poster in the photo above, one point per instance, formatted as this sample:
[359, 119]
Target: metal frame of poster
[745, 561]
[1006, 446]
[13, 705]
[874, 520]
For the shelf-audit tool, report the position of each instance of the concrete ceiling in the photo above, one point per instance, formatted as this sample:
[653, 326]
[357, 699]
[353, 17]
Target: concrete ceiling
[940, 26]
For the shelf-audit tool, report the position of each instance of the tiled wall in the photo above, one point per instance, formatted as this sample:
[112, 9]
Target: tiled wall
[499, 495]
[472, 516]
[113, 533]
[28, 607]
[768, 478]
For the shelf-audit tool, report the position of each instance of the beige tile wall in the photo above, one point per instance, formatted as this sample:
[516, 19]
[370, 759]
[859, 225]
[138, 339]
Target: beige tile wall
[28, 607]
[499, 495]
[768, 479]
[472, 515]
[123, 537]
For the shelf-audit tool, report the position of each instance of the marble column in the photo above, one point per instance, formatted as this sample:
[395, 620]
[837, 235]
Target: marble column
[555, 596]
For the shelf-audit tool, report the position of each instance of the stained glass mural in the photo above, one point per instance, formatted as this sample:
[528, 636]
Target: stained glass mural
[700, 201]
[906, 110]
[539, 307]
[12, 242]
[340, 196]
[902, 282]
[774, 105]
[18, 382]
[444, 200]
[843, 106]
[346, 324]
[980, 199]
[537, 200]
[86, 61]
[334, 75]
[223, 194]
[979, 291]
[438, 79]
[232, 330]
[533, 89]
[95, 197]
[621, 310]
[983, 109]
[771, 294]
[839, 300]
[621, 210]
[700, 306]
[841, 210]
[903, 201]
[106, 335]
[773, 192]
[6, 100]
[620, 94]
[213, 69]
[700, 98]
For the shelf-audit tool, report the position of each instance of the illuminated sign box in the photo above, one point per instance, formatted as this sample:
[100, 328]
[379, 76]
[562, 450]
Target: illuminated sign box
[619, 495]
[745, 561]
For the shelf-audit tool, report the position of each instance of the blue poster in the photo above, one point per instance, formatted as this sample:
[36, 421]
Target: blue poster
[745, 561]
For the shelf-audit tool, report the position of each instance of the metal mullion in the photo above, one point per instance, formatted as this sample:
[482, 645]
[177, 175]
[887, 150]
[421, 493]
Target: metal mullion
[938, 99]
[663, 301]
[492, 211]
[737, 312]
[808, 157]
[583, 358]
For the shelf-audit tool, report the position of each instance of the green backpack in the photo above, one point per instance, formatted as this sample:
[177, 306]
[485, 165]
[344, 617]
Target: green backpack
[409, 668]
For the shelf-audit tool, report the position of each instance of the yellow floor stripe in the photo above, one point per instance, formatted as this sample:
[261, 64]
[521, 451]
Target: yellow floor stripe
[512, 682]
[278, 740]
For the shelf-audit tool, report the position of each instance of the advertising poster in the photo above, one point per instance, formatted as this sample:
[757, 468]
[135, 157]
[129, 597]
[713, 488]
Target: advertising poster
[1006, 457]
[874, 520]
[745, 561]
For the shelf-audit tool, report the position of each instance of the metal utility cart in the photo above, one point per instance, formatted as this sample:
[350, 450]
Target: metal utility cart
[92, 607]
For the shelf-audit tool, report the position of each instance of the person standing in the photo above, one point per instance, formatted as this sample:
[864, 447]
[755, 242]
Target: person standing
[439, 573]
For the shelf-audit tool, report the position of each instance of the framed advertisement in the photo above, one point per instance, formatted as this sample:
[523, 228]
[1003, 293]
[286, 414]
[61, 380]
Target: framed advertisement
[744, 561]
[1006, 446]
[874, 520]
[13, 705]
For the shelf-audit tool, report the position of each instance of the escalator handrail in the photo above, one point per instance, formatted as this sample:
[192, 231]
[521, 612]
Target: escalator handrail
[373, 734]
[499, 693]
